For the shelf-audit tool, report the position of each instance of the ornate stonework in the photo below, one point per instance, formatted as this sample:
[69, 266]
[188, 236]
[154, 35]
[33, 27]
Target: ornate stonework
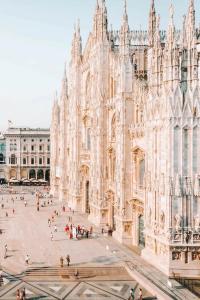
[125, 136]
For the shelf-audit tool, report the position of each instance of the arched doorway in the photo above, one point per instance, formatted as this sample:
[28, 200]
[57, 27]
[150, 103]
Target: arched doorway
[13, 173]
[23, 173]
[85, 189]
[40, 174]
[32, 174]
[87, 197]
[141, 239]
[47, 175]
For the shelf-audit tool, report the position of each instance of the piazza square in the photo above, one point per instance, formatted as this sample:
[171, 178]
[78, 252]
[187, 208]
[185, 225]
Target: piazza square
[100, 190]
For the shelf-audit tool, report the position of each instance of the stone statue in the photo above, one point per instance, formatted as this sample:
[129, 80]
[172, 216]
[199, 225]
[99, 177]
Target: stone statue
[162, 219]
[196, 222]
[178, 219]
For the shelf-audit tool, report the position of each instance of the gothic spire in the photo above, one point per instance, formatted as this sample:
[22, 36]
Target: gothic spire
[100, 21]
[64, 92]
[124, 33]
[76, 50]
[191, 20]
[171, 28]
[152, 23]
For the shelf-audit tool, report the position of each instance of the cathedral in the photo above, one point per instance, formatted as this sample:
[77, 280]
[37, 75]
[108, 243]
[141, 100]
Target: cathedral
[125, 136]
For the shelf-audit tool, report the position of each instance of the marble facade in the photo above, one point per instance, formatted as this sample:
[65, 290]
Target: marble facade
[125, 136]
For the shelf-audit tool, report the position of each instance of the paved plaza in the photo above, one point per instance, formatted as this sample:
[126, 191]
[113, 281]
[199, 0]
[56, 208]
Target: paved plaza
[106, 268]
[26, 231]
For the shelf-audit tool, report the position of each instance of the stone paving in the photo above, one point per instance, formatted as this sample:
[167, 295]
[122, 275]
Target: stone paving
[27, 232]
[48, 286]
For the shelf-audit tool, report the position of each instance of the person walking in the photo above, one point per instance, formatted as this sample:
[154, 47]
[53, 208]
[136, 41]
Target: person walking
[27, 259]
[68, 260]
[23, 294]
[25, 203]
[140, 294]
[132, 294]
[51, 236]
[5, 250]
[76, 274]
[61, 262]
[18, 295]
[55, 228]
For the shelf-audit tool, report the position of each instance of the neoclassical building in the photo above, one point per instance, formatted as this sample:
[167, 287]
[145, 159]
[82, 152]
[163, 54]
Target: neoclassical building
[27, 153]
[125, 136]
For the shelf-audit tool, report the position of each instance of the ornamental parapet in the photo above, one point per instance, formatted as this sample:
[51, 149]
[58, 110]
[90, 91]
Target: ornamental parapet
[185, 236]
[136, 131]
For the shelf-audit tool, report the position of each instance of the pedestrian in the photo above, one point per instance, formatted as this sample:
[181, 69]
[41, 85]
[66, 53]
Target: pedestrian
[132, 296]
[51, 236]
[49, 222]
[18, 295]
[140, 294]
[91, 230]
[61, 262]
[76, 273]
[5, 250]
[25, 203]
[13, 211]
[24, 294]
[68, 260]
[21, 295]
[55, 228]
[73, 211]
[27, 259]
[6, 214]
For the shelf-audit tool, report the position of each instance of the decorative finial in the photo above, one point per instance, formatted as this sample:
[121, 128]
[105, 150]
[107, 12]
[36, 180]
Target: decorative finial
[152, 6]
[78, 26]
[171, 11]
[125, 6]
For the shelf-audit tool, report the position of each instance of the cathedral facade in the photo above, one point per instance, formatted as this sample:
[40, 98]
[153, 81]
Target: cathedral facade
[125, 136]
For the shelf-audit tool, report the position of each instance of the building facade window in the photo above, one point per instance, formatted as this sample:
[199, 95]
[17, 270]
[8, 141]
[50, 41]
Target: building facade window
[48, 148]
[32, 161]
[13, 159]
[24, 161]
[40, 148]
[32, 148]
[40, 161]
[48, 160]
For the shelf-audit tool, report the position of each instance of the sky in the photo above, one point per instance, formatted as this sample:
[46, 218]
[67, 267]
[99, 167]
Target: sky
[35, 43]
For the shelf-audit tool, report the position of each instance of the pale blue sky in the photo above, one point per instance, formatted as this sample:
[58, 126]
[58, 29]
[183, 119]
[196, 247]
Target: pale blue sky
[35, 42]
